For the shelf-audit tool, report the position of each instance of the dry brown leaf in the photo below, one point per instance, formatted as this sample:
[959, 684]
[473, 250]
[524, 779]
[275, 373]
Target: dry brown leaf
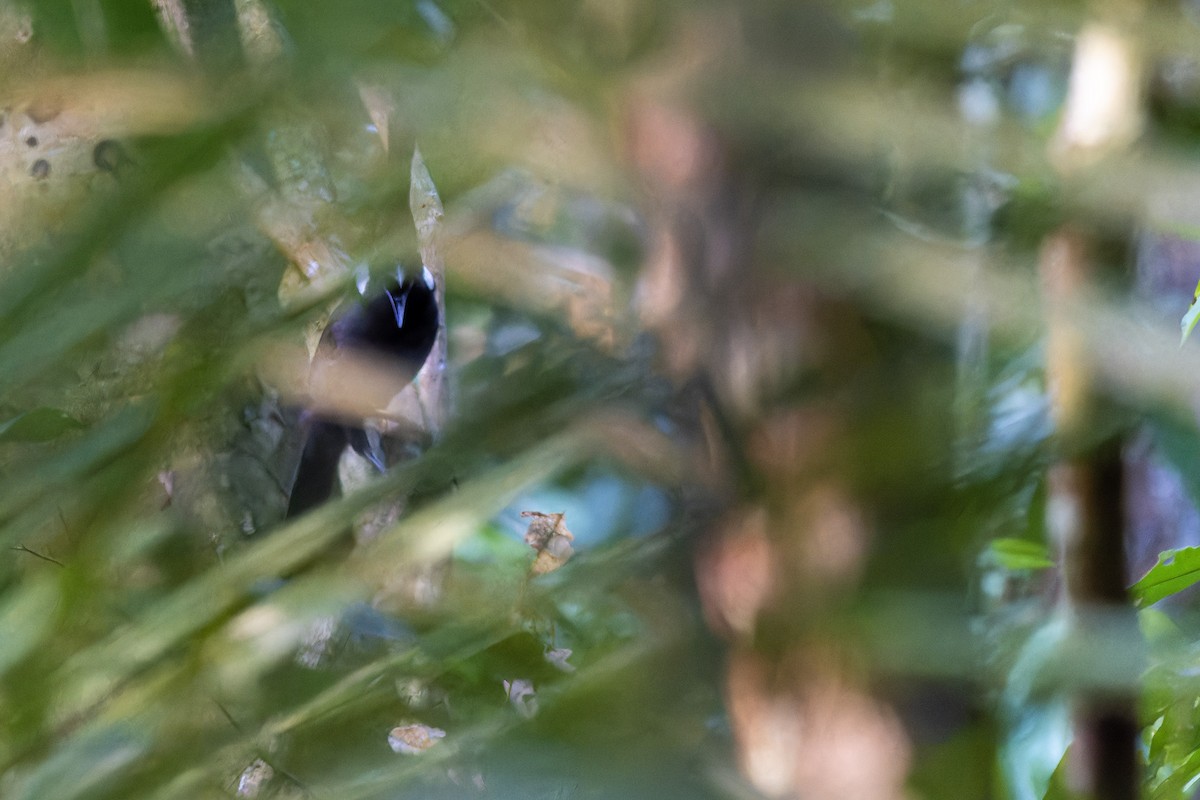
[550, 538]
[413, 738]
[380, 106]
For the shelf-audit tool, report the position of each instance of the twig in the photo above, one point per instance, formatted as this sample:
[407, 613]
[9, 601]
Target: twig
[20, 548]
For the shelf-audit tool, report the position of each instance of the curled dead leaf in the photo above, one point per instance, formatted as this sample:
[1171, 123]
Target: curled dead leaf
[550, 538]
[380, 107]
[558, 658]
[522, 696]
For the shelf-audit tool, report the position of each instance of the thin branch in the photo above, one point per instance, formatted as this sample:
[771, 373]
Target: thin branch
[20, 548]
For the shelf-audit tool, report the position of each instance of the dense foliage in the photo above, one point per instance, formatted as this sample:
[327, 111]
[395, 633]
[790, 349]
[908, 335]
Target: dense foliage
[778, 337]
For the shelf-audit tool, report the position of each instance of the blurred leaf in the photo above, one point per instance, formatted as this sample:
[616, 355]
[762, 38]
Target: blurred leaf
[958, 767]
[89, 763]
[94, 448]
[26, 617]
[1188, 323]
[1020, 554]
[202, 660]
[1157, 627]
[38, 425]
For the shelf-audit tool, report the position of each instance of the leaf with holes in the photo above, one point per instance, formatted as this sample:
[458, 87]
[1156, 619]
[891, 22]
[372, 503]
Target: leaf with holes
[1175, 571]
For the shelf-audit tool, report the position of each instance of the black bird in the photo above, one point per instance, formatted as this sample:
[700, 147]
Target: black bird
[395, 330]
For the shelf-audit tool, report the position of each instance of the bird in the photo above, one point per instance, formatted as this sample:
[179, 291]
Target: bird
[394, 331]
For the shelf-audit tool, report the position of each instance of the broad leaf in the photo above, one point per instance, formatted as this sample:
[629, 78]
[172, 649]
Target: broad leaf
[1175, 571]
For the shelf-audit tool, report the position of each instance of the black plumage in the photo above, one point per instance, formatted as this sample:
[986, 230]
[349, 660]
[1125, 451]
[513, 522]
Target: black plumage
[396, 328]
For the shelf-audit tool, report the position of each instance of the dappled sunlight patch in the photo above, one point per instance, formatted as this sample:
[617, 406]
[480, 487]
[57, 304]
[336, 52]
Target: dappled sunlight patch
[254, 779]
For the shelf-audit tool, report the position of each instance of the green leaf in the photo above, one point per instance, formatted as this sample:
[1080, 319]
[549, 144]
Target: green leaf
[1191, 317]
[1175, 571]
[88, 764]
[38, 425]
[1020, 554]
[1174, 785]
[1057, 788]
[26, 618]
